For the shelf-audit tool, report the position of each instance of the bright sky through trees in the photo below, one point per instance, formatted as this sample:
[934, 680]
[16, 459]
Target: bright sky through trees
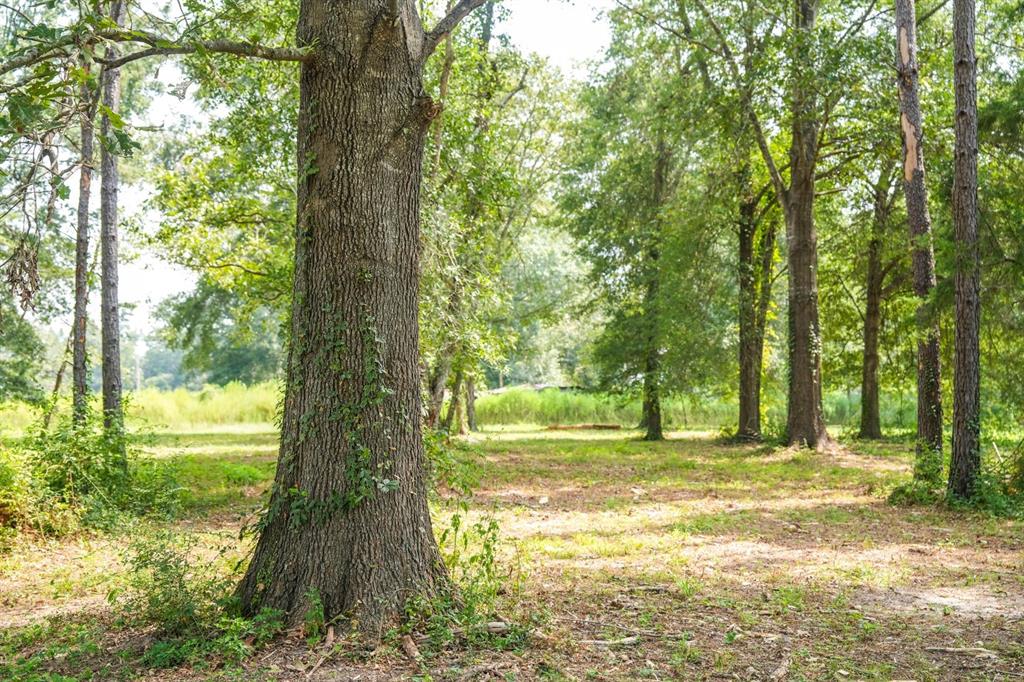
[567, 32]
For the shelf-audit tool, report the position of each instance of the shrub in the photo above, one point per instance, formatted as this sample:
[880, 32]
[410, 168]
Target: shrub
[550, 406]
[169, 585]
[184, 590]
[79, 473]
[999, 489]
[451, 463]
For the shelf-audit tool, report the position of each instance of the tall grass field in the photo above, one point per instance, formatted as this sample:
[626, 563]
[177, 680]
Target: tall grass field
[177, 410]
[238, 404]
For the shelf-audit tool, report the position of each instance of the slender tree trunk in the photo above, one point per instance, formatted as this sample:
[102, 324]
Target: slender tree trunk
[109, 320]
[436, 385]
[928, 463]
[651, 416]
[651, 419]
[460, 422]
[870, 417]
[966, 459]
[80, 379]
[348, 524]
[756, 262]
[453, 406]
[471, 404]
[805, 424]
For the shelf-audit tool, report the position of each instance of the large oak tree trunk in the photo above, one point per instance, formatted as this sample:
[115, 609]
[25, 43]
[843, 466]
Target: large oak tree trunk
[79, 373]
[110, 324]
[805, 424]
[928, 463]
[966, 459]
[348, 523]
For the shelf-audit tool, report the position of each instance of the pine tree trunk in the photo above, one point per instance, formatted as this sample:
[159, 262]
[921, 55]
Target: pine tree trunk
[928, 463]
[348, 524]
[870, 418]
[805, 424]
[966, 459]
[471, 405]
[110, 325]
[80, 386]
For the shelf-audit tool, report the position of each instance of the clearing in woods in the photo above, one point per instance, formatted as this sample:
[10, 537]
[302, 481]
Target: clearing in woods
[688, 559]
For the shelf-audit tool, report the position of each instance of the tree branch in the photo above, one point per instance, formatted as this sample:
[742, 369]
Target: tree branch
[448, 24]
[159, 45]
[781, 190]
[277, 54]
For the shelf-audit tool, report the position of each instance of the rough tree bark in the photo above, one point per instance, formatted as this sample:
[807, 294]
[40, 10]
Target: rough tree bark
[966, 458]
[80, 387]
[805, 422]
[928, 463]
[348, 524]
[756, 264]
[110, 326]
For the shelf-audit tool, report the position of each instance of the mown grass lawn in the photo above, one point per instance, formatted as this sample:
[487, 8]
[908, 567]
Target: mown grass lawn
[688, 559]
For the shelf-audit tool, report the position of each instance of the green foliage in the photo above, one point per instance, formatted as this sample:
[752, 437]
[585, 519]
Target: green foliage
[453, 463]
[169, 585]
[80, 474]
[999, 489]
[20, 355]
[470, 612]
[314, 620]
[184, 590]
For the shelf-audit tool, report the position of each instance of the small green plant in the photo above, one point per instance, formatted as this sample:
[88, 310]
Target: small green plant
[184, 590]
[169, 585]
[314, 622]
[475, 610]
[915, 493]
[451, 463]
[685, 653]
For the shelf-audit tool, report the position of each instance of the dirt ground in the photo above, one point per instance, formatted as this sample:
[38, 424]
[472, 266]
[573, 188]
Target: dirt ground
[689, 560]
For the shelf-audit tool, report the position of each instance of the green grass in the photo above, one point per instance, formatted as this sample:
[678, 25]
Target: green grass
[731, 541]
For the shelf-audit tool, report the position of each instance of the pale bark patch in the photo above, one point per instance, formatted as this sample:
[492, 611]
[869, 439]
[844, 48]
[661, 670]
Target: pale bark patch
[910, 155]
